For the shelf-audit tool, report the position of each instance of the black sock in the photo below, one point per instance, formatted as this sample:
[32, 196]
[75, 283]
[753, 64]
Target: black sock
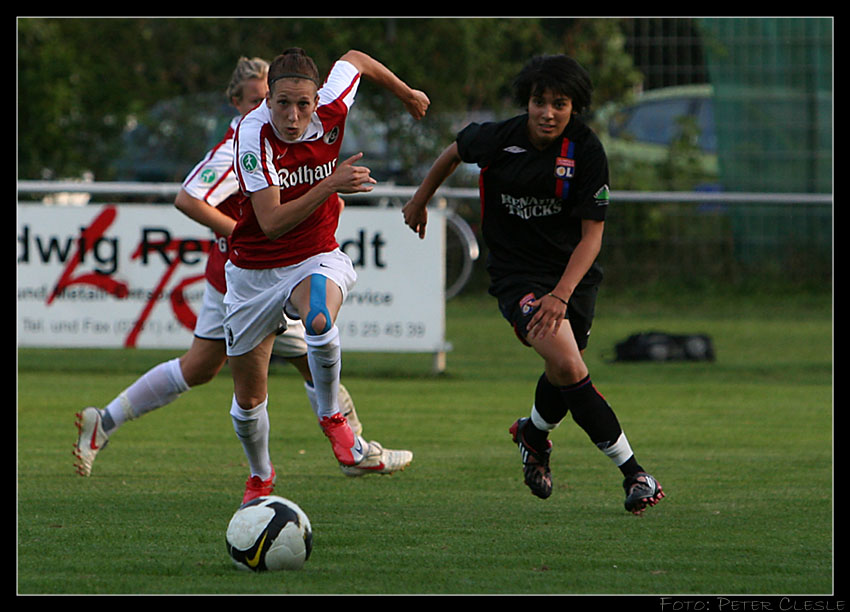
[630, 467]
[596, 417]
[589, 410]
[592, 413]
[549, 401]
[549, 406]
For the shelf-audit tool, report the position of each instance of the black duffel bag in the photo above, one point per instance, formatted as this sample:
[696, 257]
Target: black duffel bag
[661, 346]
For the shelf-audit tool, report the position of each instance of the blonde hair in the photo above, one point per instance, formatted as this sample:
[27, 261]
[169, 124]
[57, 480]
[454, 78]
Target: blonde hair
[246, 69]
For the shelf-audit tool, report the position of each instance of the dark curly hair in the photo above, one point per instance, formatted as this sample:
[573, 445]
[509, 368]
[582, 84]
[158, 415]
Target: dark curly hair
[559, 73]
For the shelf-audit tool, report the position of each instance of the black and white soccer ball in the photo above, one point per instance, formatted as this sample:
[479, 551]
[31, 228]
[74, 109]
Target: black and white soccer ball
[269, 534]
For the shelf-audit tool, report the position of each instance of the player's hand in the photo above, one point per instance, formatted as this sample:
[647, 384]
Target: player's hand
[417, 105]
[351, 178]
[548, 318]
[415, 217]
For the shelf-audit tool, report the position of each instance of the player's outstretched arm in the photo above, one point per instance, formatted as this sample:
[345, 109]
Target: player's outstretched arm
[415, 211]
[415, 101]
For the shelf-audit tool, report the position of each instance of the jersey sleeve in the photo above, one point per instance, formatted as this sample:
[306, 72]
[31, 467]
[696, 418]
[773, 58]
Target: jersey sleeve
[253, 154]
[341, 84]
[212, 180]
[474, 144]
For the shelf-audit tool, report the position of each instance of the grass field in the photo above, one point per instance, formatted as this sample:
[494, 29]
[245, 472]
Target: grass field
[743, 447]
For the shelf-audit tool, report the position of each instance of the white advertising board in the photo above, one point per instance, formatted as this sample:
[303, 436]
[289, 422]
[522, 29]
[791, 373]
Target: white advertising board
[131, 275]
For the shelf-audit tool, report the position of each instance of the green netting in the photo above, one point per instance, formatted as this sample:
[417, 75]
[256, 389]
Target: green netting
[772, 82]
[773, 85]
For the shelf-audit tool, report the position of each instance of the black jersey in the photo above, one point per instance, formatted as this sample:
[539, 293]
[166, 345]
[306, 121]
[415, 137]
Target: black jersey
[533, 201]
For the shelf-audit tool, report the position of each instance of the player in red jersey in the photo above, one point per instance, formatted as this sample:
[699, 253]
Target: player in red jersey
[284, 257]
[210, 195]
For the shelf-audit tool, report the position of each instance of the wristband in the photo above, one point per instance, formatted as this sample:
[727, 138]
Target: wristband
[557, 298]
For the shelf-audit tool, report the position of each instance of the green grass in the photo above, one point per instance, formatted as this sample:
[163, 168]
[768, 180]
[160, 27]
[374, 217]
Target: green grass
[743, 447]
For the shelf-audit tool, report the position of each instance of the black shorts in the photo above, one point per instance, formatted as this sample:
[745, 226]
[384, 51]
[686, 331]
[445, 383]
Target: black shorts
[514, 294]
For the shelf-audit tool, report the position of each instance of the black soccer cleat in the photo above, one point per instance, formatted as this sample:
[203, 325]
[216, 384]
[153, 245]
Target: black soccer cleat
[642, 490]
[535, 463]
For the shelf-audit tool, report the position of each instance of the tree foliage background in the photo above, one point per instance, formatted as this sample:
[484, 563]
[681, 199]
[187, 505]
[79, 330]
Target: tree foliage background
[82, 81]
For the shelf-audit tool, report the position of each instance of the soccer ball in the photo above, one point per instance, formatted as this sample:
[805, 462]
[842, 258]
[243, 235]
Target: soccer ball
[269, 533]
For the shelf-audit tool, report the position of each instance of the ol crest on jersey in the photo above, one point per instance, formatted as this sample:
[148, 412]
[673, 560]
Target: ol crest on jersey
[565, 168]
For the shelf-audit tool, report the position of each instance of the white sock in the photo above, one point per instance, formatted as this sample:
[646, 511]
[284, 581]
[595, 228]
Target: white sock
[159, 386]
[539, 423]
[311, 396]
[324, 357]
[620, 451]
[252, 429]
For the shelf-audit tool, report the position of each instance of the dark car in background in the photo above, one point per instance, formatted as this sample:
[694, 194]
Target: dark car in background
[164, 143]
[644, 130]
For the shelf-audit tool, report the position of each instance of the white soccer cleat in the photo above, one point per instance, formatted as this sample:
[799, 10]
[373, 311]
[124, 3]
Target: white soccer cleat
[90, 441]
[346, 407]
[379, 460]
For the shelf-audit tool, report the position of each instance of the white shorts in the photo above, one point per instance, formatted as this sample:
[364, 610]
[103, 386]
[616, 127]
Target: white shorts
[209, 326]
[257, 301]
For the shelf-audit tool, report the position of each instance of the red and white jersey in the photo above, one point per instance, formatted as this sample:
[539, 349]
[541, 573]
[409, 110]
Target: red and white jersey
[262, 159]
[213, 181]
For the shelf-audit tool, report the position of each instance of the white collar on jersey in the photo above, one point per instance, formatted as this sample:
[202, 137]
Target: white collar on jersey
[314, 131]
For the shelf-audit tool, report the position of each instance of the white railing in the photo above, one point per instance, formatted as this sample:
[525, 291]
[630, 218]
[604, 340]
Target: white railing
[393, 191]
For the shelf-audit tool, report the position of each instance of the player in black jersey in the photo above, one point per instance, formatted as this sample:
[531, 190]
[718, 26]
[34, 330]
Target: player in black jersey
[544, 191]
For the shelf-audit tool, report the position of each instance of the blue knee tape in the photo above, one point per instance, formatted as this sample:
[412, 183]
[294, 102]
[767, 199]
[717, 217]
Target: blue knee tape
[318, 305]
